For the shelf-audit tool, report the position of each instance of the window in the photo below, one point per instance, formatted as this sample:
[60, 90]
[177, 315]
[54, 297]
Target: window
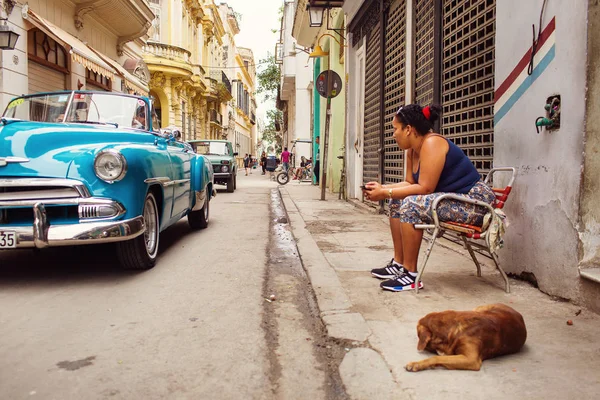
[44, 50]
[94, 78]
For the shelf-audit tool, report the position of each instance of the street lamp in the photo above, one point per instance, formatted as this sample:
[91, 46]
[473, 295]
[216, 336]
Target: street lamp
[316, 16]
[8, 38]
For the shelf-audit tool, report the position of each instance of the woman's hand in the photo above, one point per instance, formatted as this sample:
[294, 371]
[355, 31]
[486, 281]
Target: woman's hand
[374, 191]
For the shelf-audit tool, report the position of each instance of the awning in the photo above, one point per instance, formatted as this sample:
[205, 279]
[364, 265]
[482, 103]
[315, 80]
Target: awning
[80, 52]
[131, 81]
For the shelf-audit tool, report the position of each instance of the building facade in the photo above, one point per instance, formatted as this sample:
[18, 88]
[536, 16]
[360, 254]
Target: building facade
[245, 136]
[70, 45]
[184, 56]
[471, 58]
[330, 37]
[296, 89]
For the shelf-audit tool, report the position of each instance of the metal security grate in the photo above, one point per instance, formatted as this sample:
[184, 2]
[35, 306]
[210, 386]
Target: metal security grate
[395, 79]
[424, 51]
[372, 107]
[468, 78]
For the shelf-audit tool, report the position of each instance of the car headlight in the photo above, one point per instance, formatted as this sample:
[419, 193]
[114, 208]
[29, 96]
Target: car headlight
[110, 166]
[224, 168]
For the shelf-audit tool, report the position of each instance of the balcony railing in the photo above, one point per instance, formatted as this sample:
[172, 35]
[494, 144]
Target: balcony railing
[225, 81]
[168, 51]
[216, 117]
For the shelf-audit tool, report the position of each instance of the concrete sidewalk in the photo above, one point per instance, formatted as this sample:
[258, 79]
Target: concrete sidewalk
[340, 243]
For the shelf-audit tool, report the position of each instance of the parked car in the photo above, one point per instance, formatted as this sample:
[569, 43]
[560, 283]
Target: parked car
[81, 167]
[222, 157]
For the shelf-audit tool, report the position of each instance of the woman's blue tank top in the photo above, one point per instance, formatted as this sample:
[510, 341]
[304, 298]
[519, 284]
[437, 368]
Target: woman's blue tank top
[459, 174]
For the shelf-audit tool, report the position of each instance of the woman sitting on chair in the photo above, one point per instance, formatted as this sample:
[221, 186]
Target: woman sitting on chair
[437, 166]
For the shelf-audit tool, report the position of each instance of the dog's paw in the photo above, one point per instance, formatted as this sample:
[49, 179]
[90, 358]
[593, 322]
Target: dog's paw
[413, 366]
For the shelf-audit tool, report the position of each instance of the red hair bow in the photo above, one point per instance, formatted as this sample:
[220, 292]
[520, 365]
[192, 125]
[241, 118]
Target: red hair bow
[427, 112]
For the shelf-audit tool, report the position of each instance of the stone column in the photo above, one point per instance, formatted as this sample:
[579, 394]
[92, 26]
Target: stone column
[176, 86]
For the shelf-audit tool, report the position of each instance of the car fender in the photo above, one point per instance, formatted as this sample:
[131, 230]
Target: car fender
[144, 162]
[202, 181]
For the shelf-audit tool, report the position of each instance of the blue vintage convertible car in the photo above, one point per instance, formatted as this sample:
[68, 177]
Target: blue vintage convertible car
[82, 167]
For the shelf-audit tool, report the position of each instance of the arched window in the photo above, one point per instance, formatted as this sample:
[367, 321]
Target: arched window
[44, 50]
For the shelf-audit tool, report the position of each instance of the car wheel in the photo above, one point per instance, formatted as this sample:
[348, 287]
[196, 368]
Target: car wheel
[141, 252]
[235, 181]
[283, 178]
[199, 219]
[230, 184]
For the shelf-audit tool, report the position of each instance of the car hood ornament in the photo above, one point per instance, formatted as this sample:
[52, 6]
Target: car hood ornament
[4, 161]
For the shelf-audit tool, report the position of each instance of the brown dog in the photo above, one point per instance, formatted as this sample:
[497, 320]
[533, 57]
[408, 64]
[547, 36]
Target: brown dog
[463, 339]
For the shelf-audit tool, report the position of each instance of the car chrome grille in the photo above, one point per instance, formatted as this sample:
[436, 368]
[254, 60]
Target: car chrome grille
[88, 212]
[216, 168]
[18, 195]
[37, 193]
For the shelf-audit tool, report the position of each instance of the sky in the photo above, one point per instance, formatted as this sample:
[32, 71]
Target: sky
[258, 19]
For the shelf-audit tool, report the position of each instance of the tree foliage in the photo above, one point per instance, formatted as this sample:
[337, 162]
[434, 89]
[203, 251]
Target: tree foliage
[270, 133]
[269, 78]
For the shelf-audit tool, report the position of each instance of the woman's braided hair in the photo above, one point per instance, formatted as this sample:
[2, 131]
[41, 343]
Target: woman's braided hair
[421, 118]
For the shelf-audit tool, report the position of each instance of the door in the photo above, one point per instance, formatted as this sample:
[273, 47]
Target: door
[181, 180]
[359, 123]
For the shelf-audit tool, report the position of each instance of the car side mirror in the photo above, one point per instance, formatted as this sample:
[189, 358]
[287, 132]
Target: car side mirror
[235, 154]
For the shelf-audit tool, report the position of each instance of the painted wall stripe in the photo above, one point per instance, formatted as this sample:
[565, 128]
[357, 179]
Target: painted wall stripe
[539, 55]
[537, 71]
[523, 63]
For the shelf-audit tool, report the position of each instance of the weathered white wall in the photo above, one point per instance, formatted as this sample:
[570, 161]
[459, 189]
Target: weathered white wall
[351, 124]
[543, 208]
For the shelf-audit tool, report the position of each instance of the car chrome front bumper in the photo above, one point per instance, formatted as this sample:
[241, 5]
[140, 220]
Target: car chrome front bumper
[222, 174]
[41, 234]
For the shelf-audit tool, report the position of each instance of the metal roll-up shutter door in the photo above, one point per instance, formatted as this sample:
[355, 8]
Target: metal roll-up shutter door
[395, 85]
[372, 106]
[468, 34]
[44, 79]
[424, 51]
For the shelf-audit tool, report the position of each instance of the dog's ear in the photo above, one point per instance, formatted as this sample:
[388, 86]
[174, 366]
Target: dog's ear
[424, 337]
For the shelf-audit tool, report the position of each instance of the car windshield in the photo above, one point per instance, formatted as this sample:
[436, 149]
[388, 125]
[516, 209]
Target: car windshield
[78, 107]
[211, 148]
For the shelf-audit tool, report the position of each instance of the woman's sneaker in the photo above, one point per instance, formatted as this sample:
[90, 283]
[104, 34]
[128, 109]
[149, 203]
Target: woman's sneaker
[389, 271]
[401, 282]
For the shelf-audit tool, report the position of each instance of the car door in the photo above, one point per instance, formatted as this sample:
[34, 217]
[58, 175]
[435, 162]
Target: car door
[181, 166]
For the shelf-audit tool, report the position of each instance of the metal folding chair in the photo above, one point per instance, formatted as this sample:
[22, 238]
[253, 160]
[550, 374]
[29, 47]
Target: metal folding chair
[469, 233]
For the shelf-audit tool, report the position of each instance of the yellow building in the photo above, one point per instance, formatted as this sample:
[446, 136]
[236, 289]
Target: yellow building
[185, 41]
[245, 103]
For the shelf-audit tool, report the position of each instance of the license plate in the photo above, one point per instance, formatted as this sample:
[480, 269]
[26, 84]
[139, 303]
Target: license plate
[8, 240]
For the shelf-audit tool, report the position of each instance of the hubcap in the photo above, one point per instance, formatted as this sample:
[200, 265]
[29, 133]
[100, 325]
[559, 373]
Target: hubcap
[206, 210]
[151, 226]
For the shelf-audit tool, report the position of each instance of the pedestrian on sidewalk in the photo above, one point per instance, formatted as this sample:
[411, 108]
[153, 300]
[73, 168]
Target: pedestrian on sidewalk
[246, 163]
[437, 167]
[285, 159]
[263, 162]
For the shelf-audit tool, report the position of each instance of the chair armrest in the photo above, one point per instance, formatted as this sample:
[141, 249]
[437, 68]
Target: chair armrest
[452, 196]
[490, 174]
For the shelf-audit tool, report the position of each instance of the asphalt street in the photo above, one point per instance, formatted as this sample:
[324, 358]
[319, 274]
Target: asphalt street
[200, 325]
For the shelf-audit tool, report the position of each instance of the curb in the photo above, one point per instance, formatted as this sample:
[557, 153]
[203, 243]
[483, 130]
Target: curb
[356, 369]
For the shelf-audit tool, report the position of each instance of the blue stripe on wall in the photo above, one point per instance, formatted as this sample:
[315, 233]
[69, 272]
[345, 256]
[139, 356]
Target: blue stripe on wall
[538, 70]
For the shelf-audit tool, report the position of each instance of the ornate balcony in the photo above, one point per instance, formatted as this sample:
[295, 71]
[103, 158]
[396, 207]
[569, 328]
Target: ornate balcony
[168, 55]
[129, 19]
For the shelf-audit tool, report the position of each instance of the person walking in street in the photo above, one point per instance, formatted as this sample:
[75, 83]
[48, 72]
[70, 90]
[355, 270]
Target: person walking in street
[263, 162]
[246, 163]
[285, 159]
[436, 166]
[317, 160]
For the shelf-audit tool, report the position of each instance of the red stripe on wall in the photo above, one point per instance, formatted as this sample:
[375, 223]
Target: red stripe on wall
[524, 61]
